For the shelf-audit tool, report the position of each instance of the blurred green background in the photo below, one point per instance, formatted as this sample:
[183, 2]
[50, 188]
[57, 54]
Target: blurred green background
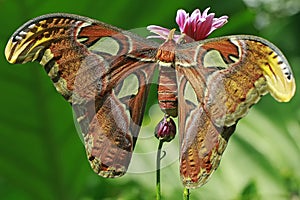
[42, 157]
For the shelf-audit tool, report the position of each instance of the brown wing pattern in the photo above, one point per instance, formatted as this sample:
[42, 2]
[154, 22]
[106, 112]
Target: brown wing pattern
[222, 79]
[91, 64]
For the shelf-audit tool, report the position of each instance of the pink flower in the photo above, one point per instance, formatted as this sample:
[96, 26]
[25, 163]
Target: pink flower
[195, 27]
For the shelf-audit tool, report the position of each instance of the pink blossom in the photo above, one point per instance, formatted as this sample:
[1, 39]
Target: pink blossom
[195, 27]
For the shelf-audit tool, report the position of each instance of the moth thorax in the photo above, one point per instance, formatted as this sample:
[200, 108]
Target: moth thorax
[167, 90]
[166, 52]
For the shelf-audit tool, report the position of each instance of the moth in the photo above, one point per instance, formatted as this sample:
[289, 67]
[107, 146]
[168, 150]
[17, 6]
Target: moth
[105, 73]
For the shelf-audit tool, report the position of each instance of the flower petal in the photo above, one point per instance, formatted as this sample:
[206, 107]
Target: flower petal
[160, 31]
[219, 22]
[181, 18]
[195, 15]
[204, 14]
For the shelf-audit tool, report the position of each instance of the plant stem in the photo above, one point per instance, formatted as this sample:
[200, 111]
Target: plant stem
[158, 158]
[186, 194]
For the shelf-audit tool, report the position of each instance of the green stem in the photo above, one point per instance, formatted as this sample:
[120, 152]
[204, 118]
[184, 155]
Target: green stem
[158, 158]
[186, 194]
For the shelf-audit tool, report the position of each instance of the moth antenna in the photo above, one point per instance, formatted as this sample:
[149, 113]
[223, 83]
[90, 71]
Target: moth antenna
[171, 34]
[181, 39]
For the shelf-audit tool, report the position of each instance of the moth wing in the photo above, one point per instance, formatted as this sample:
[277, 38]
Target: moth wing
[103, 71]
[219, 80]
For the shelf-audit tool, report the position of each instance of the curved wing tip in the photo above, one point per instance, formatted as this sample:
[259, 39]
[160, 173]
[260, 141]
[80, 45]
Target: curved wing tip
[283, 94]
[284, 97]
[8, 52]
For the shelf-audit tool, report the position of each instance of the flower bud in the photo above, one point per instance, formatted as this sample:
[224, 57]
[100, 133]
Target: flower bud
[165, 129]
